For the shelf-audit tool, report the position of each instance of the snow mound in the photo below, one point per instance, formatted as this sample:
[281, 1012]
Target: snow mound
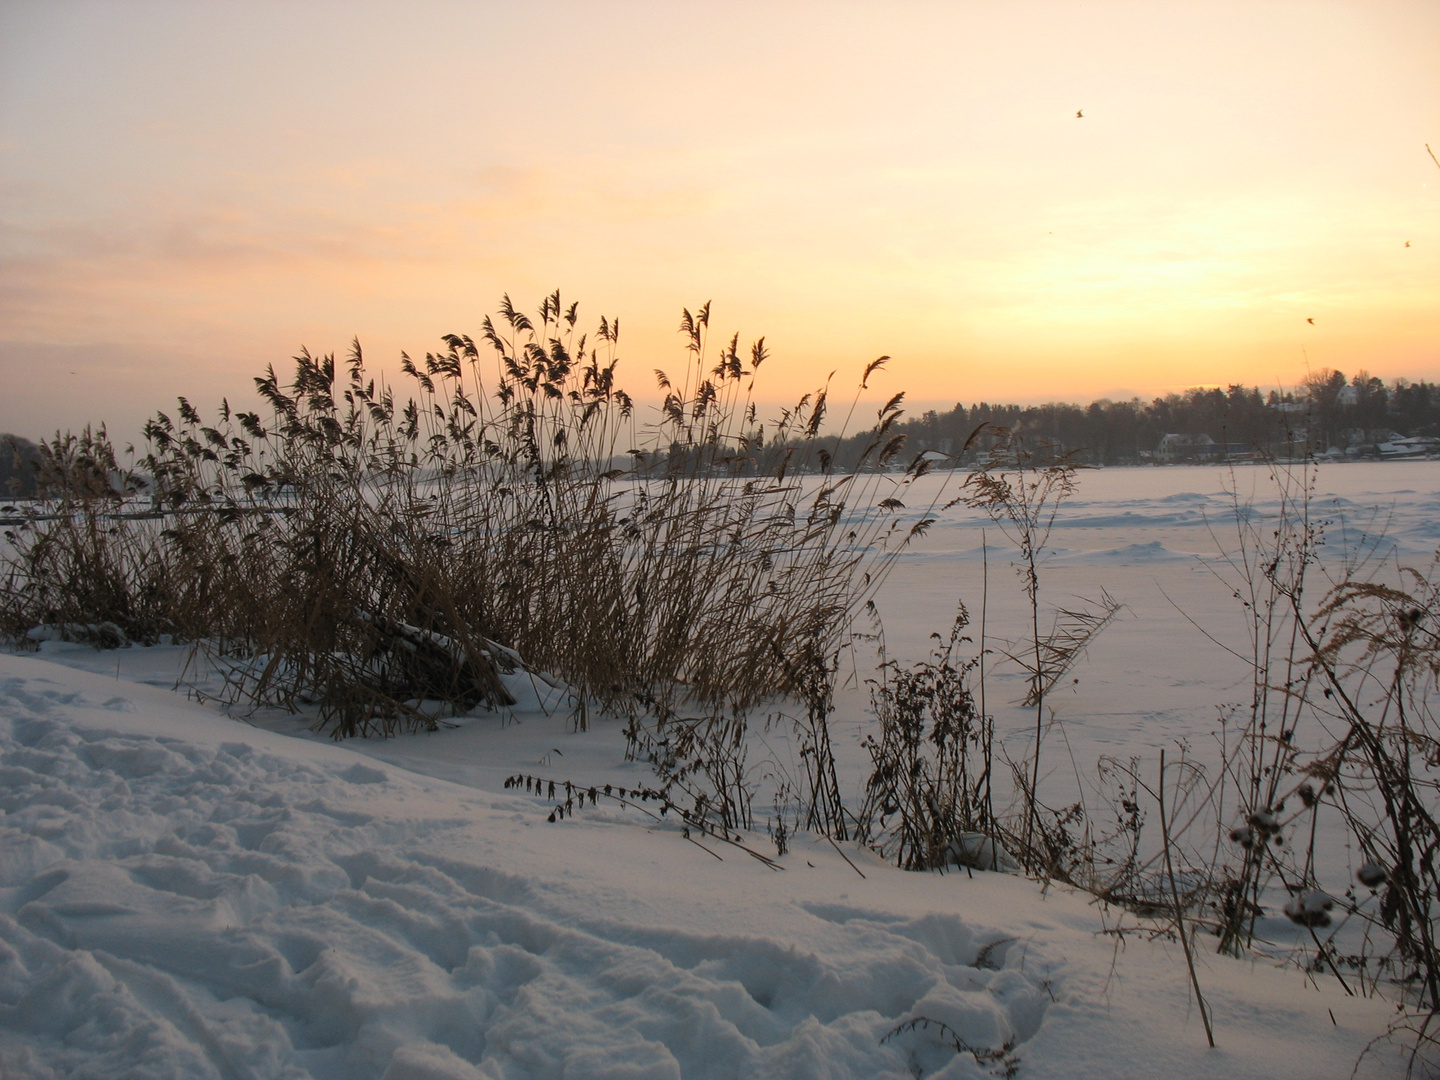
[1152, 552]
[182, 896]
[1144, 518]
[1185, 497]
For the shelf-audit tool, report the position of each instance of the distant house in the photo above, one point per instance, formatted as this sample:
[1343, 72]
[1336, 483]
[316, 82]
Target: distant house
[1177, 447]
[1417, 446]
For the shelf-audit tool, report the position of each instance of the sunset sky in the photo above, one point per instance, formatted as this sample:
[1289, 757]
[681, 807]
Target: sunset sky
[190, 191]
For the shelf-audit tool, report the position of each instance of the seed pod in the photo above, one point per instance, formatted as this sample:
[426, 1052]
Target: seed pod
[1310, 908]
[1372, 875]
[1265, 822]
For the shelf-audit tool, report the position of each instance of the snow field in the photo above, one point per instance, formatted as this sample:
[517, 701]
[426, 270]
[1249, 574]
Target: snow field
[222, 906]
[185, 896]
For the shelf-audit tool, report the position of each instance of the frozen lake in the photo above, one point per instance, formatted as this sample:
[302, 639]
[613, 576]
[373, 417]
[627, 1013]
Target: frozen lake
[1152, 538]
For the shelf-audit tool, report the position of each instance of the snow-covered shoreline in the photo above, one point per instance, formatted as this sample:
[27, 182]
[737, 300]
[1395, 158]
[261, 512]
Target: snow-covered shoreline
[183, 894]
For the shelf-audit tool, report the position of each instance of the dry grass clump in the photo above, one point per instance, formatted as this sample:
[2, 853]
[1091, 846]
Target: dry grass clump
[929, 799]
[1323, 814]
[1342, 724]
[384, 555]
[82, 557]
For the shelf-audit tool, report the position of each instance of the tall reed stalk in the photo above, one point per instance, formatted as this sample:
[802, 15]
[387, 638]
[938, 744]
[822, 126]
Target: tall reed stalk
[387, 555]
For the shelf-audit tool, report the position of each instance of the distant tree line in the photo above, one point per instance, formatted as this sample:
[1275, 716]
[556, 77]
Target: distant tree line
[1328, 412]
[19, 463]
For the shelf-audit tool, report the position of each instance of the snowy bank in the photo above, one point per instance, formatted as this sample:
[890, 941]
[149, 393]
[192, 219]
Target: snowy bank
[186, 895]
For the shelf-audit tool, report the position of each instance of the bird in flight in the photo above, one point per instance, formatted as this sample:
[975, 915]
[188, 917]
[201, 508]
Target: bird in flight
[1079, 114]
[1310, 321]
